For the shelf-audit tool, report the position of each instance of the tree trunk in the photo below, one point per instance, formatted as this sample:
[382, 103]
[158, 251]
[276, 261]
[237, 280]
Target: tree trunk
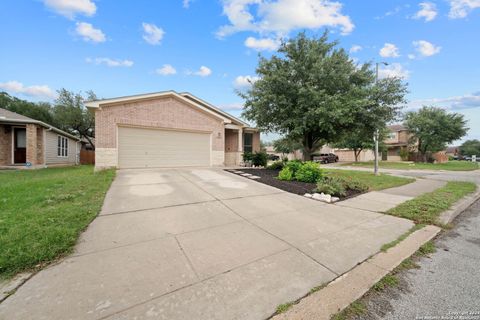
[307, 147]
[90, 141]
[356, 152]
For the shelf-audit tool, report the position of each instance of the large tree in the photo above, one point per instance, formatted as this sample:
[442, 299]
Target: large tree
[314, 93]
[41, 111]
[285, 146]
[433, 128]
[470, 147]
[72, 116]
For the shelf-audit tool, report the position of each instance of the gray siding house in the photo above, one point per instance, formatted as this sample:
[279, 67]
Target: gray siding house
[25, 142]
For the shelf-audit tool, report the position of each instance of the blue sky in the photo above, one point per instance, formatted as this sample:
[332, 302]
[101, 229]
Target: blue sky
[209, 48]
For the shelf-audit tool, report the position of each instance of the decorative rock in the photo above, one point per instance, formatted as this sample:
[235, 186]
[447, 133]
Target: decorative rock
[335, 199]
[322, 197]
[308, 195]
[254, 177]
[246, 174]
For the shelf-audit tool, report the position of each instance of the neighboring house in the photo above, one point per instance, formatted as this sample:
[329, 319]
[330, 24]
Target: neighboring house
[452, 151]
[396, 140]
[32, 143]
[168, 129]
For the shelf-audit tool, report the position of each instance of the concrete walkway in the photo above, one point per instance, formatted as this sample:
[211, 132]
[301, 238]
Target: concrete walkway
[201, 244]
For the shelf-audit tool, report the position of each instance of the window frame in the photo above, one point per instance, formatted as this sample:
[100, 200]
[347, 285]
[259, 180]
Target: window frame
[62, 147]
[249, 146]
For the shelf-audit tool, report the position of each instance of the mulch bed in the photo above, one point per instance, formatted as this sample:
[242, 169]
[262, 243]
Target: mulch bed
[269, 177]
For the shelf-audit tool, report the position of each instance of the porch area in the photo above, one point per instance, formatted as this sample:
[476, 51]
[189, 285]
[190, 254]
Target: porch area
[21, 145]
[237, 141]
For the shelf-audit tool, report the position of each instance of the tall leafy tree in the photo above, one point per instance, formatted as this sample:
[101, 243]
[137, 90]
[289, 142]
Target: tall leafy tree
[433, 128]
[41, 111]
[72, 116]
[286, 146]
[313, 93]
[470, 147]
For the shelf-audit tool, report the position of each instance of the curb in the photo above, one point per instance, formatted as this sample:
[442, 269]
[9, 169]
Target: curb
[352, 285]
[460, 206]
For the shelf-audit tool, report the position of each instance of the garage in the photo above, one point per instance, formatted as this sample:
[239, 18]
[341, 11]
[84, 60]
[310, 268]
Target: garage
[156, 148]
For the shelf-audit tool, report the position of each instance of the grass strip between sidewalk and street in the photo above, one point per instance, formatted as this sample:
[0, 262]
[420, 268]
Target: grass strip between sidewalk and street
[449, 166]
[44, 211]
[375, 183]
[426, 208]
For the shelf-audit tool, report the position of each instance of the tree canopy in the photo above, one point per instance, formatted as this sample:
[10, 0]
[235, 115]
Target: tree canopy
[433, 128]
[470, 147]
[67, 113]
[312, 92]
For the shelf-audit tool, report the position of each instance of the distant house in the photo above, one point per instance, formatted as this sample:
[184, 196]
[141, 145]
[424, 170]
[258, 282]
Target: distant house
[25, 142]
[452, 151]
[397, 140]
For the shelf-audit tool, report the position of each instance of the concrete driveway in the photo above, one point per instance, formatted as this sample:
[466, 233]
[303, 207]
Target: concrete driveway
[200, 244]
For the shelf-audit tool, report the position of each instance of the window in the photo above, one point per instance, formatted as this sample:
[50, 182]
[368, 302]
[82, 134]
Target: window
[247, 142]
[62, 147]
[392, 136]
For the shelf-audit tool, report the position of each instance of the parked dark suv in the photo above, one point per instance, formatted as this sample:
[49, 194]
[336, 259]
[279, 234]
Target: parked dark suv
[325, 158]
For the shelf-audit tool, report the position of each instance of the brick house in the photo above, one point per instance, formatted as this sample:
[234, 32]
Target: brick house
[168, 129]
[29, 143]
[397, 139]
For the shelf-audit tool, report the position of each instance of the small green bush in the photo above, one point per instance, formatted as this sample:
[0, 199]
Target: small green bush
[260, 159]
[277, 165]
[286, 174]
[247, 156]
[332, 186]
[355, 184]
[294, 165]
[404, 154]
[309, 172]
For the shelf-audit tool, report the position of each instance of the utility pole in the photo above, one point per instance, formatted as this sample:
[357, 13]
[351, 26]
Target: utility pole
[376, 133]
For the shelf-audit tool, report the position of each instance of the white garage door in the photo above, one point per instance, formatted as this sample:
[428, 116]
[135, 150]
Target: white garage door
[140, 148]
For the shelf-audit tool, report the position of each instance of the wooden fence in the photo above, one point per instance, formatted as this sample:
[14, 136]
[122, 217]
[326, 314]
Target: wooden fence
[87, 157]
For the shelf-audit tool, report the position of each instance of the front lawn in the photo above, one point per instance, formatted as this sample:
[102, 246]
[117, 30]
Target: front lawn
[43, 212]
[426, 208]
[450, 165]
[373, 182]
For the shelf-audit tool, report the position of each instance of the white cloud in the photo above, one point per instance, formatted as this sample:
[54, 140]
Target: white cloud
[411, 56]
[110, 62]
[282, 16]
[70, 8]
[426, 48]
[186, 4]
[202, 72]
[467, 101]
[89, 33]
[241, 82]
[39, 91]
[355, 48]
[394, 70]
[389, 50]
[152, 34]
[461, 8]
[262, 44]
[166, 70]
[428, 11]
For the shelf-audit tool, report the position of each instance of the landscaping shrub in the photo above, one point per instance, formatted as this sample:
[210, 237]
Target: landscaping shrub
[355, 184]
[294, 165]
[259, 159]
[333, 186]
[247, 156]
[308, 172]
[277, 165]
[286, 174]
[404, 154]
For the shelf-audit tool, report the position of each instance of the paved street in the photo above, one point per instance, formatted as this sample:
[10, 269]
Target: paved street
[204, 244]
[447, 282]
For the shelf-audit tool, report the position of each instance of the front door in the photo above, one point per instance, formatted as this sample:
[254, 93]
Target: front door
[19, 145]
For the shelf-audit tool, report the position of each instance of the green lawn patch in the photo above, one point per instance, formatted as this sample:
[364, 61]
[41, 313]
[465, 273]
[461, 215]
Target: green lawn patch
[43, 212]
[450, 165]
[426, 208]
[375, 183]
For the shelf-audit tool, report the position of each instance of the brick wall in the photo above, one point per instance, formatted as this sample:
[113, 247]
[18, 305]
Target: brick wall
[256, 142]
[40, 146]
[5, 145]
[161, 113]
[231, 140]
[32, 143]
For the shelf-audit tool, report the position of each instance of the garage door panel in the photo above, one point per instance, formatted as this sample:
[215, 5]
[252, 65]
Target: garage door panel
[140, 148]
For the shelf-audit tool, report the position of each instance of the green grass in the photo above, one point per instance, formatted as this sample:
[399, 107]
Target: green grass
[43, 212]
[375, 183]
[355, 309]
[450, 165]
[404, 236]
[426, 208]
[390, 280]
[284, 307]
